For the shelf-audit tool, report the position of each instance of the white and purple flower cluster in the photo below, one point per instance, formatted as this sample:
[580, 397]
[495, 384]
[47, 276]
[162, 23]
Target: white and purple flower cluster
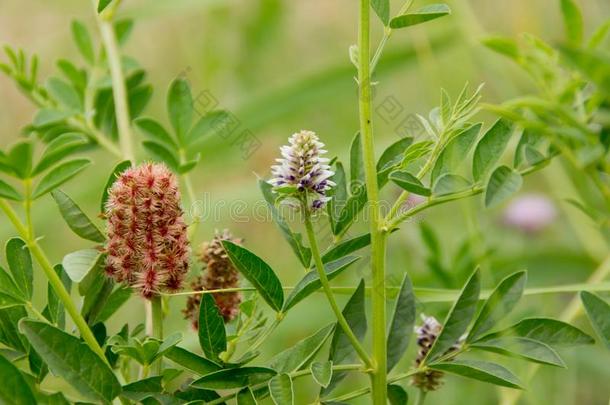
[302, 174]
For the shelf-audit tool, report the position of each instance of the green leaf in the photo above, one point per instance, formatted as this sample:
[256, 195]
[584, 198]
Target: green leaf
[20, 159]
[102, 4]
[70, 358]
[482, 371]
[353, 206]
[458, 319]
[338, 194]
[8, 301]
[10, 294]
[258, 273]
[573, 21]
[490, 148]
[162, 154]
[80, 263]
[234, 378]
[322, 372]
[281, 390]
[54, 307]
[504, 46]
[180, 107]
[59, 175]
[122, 30]
[523, 348]
[397, 395]
[116, 299]
[295, 240]
[64, 94]
[58, 149]
[14, 388]
[118, 169]
[154, 130]
[598, 311]
[341, 349]
[139, 390]
[546, 330]
[191, 361]
[300, 354]
[47, 116]
[76, 219]
[401, 324]
[20, 265]
[410, 183]
[356, 164]
[502, 183]
[424, 14]
[8, 192]
[311, 282]
[455, 152]
[499, 304]
[382, 9]
[450, 184]
[245, 397]
[212, 334]
[81, 37]
[346, 247]
[210, 123]
[391, 158]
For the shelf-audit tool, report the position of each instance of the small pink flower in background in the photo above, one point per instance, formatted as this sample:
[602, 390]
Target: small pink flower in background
[530, 213]
[219, 273]
[147, 246]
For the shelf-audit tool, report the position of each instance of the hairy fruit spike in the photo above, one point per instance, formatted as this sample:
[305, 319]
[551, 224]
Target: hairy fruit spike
[219, 273]
[147, 246]
[302, 171]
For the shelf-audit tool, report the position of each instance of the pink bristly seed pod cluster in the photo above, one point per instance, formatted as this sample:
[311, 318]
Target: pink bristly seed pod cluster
[147, 246]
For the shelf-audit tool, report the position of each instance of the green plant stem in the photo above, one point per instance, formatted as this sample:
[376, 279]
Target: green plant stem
[27, 207]
[378, 238]
[54, 280]
[569, 314]
[363, 391]
[119, 90]
[156, 304]
[387, 33]
[421, 398]
[315, 253]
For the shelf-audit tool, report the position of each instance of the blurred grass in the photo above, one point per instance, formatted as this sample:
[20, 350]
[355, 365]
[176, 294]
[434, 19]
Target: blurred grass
[281, 66]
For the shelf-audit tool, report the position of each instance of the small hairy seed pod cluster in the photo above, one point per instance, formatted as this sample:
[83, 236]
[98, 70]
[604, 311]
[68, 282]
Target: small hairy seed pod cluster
[427, 334]
[147, 244]
[219, 273]
[303, 168]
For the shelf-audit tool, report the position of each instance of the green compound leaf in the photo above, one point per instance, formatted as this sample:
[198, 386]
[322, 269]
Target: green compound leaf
[180, 107]
[8, 192]
[76, 219]
[20, 265]
[234, 378]
[502, 183]
[490, 148]
[281, 390]
[70, 358]
[455, 152]
[501, 301]
[14, 388]
[301, 354]
[598, 311]
[482, 371]
[322, 372]
[58, 149]
[458, 319]
[59, 175]
[424, 14]
[81, 37]
[410, 183]
[401, 324]
[212, 334]
[258, 273]
[311, 282]
[524, 348]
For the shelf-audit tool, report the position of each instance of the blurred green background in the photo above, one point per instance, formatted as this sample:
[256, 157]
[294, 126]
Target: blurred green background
[281, 66]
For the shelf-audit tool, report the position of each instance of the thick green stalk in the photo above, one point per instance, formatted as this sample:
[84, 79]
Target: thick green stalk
[157, 326]
[119, 90]
[378, 238]
[315, 253]
[54, 280]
